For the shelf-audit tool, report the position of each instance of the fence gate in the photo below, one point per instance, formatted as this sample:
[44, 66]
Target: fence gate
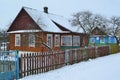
[9, 65]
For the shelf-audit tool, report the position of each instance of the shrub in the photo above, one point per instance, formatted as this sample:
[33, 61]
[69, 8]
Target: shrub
[114, 48]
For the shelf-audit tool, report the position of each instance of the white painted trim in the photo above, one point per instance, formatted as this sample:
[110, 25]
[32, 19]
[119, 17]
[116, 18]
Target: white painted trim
[31, 36]
[17, 39]
[56, 35]
[66, 36]
[51, 43]
[24, 31]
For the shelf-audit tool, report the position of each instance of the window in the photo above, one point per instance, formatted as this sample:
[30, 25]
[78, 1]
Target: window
[76, 40]
[92, 40]
[17, 39]
[49, 40]
[57, 40]
[97, 38]
[31, 40]
[102, 40]
[66, 41]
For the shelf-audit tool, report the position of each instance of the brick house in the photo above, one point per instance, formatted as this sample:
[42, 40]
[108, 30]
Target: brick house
[34, 30]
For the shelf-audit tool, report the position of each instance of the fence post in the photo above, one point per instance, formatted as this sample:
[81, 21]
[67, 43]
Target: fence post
[66, 56]
[84, 54]
[17, 64]
[75, 58]
[109, 50]
[96, 52]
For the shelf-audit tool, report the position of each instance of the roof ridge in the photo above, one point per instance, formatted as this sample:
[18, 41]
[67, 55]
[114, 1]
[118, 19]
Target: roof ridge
[43, 11]
[29, 8]
[49, 17]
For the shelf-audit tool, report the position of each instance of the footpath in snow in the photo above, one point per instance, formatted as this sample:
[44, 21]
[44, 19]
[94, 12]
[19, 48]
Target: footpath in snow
[103, 68]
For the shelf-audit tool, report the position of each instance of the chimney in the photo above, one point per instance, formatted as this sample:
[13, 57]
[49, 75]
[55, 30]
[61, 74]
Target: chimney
[46, 9]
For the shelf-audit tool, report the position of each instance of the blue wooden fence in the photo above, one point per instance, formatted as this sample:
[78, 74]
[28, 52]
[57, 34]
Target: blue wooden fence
[9, 65]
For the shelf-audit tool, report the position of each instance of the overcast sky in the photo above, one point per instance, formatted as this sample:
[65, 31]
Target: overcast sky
[10, 8]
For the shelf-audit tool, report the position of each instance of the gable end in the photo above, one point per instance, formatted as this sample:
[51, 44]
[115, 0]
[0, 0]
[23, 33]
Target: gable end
[23, 22]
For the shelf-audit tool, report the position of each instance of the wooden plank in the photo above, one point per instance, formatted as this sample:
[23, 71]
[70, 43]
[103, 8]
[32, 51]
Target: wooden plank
[35, 63]
[21, 65]
[27, 65]
[36, 67]
[24, 65]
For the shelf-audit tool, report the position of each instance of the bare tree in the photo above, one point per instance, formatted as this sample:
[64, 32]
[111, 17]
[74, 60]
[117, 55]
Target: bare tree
[114, 26]
[4, 39]
[88, 21]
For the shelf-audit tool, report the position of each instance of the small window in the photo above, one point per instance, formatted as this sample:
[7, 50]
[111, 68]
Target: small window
[102, 40]
[66, 41]
[31, 40]
[92, 40]
[49, 40]
[57, 40]
[76, 40]
[17, 39]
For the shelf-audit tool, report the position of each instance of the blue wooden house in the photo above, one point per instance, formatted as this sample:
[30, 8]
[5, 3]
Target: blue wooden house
[99, 37]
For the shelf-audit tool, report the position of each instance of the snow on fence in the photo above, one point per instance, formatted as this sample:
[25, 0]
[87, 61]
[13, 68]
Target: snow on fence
[34, 63]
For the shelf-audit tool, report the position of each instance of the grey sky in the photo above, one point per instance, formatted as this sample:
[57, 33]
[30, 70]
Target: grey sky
[10, 8]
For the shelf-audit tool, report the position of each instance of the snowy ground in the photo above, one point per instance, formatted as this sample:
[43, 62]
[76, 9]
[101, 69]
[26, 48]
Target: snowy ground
[104, 68]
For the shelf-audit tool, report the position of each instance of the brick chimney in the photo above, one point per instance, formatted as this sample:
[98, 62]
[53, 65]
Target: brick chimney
[46, 9]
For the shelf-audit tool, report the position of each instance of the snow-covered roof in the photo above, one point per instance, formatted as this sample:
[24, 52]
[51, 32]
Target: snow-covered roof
[42, 20]
[46, 21]
[63, 22]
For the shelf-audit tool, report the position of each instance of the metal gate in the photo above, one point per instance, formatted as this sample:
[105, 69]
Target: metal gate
[9, 65]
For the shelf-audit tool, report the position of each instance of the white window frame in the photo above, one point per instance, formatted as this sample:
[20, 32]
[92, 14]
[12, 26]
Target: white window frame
[50, 40]
[109, 40]
[102, 40]
[31, 40]
[57, 40]
[17, 40]
[76, 40]
[92, 40]
[67, 40]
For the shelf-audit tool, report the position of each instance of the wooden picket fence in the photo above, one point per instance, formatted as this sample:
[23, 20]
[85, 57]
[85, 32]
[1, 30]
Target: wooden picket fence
[34, 63]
